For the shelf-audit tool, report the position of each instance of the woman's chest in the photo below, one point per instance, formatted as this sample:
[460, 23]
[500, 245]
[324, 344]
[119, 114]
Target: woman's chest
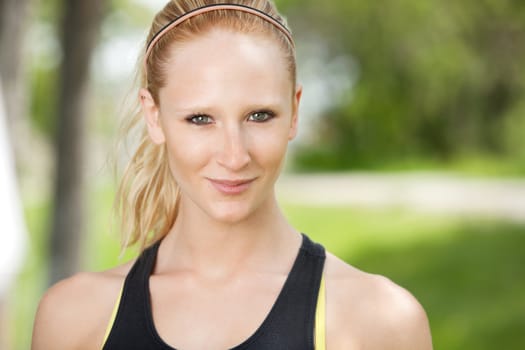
[190, 313]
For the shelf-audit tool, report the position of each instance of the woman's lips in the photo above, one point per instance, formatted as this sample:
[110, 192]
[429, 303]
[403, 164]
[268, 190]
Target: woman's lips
[231, 187]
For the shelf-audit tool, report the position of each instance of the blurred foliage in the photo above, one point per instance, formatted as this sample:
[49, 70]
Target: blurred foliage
[433, 79]
[43, 66]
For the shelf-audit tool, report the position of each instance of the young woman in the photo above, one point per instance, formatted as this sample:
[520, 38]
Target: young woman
[221, 266]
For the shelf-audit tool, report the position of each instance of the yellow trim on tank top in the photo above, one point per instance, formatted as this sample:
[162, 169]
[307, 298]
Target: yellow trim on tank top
[113, 317]
[320, 318]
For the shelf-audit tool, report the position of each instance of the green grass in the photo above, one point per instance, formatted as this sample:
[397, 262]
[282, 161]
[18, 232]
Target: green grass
[464, 165]
[468, 274]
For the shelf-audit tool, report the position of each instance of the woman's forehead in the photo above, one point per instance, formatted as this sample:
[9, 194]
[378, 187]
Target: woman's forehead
[225, 60]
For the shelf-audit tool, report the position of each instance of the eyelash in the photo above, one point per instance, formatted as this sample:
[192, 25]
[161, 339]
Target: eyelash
[194, 118]
[270, 115]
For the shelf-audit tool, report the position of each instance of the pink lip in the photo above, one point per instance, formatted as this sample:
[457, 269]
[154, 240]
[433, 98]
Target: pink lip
[231, 187]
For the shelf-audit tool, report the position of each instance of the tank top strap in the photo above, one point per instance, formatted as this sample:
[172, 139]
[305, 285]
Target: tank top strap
[135, 287]
[312, 247]
[308, 288]
[291, 322]
[133, 302]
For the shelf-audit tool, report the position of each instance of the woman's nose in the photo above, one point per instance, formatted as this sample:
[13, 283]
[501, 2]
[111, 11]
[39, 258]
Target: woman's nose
[233, 152]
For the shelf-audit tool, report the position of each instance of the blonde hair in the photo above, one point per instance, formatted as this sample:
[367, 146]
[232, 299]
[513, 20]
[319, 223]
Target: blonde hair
[147, 197]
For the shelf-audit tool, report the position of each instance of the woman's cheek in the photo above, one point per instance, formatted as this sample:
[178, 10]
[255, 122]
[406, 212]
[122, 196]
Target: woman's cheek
[187, 151]
[269, 146]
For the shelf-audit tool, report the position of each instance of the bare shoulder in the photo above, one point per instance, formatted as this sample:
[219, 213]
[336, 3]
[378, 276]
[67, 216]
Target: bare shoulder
[79, 306]
[370, 311]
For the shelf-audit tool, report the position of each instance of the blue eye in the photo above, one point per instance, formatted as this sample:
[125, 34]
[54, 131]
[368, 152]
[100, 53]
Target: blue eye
[199, 119]
[261, 116]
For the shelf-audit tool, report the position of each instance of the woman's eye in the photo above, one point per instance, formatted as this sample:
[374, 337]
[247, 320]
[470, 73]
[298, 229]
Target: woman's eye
[261, 116]
[200, 119]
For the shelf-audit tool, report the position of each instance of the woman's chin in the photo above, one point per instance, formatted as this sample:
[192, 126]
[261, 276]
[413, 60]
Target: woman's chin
[230, 213]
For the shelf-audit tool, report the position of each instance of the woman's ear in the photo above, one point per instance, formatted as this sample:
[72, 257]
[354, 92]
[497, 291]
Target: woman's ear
[295, 112]
[150, 110]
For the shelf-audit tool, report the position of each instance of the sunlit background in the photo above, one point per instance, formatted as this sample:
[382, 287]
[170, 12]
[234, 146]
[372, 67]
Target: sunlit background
[410, 161]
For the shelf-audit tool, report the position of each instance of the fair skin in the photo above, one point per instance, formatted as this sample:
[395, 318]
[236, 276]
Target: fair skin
[226, 116]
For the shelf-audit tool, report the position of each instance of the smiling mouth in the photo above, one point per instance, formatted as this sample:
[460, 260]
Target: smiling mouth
[231, 187]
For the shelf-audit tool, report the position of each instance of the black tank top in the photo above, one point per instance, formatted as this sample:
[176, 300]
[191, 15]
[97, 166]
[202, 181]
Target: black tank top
[288, 326]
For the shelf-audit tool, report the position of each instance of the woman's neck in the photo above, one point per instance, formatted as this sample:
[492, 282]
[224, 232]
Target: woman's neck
[220, 249]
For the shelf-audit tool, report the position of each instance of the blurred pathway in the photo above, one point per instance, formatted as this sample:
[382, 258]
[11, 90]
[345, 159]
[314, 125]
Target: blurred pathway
[428, 192]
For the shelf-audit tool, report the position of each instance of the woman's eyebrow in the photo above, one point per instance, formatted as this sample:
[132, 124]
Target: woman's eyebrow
[197, 108]
[171, 108]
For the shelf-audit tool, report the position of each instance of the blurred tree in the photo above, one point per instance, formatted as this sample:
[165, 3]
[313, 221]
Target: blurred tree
[44, 66]
[435, 78]
[80, 28]
[14, 19]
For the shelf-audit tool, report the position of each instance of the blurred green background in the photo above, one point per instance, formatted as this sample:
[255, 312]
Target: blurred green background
[394, 86]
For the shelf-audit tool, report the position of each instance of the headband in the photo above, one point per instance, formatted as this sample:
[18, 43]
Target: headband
[209, 8]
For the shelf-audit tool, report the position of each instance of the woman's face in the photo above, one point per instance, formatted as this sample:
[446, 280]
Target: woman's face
[226, 115]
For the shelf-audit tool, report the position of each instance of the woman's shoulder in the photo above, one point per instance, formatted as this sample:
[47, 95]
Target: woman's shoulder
[79, 307]
[370, 311]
